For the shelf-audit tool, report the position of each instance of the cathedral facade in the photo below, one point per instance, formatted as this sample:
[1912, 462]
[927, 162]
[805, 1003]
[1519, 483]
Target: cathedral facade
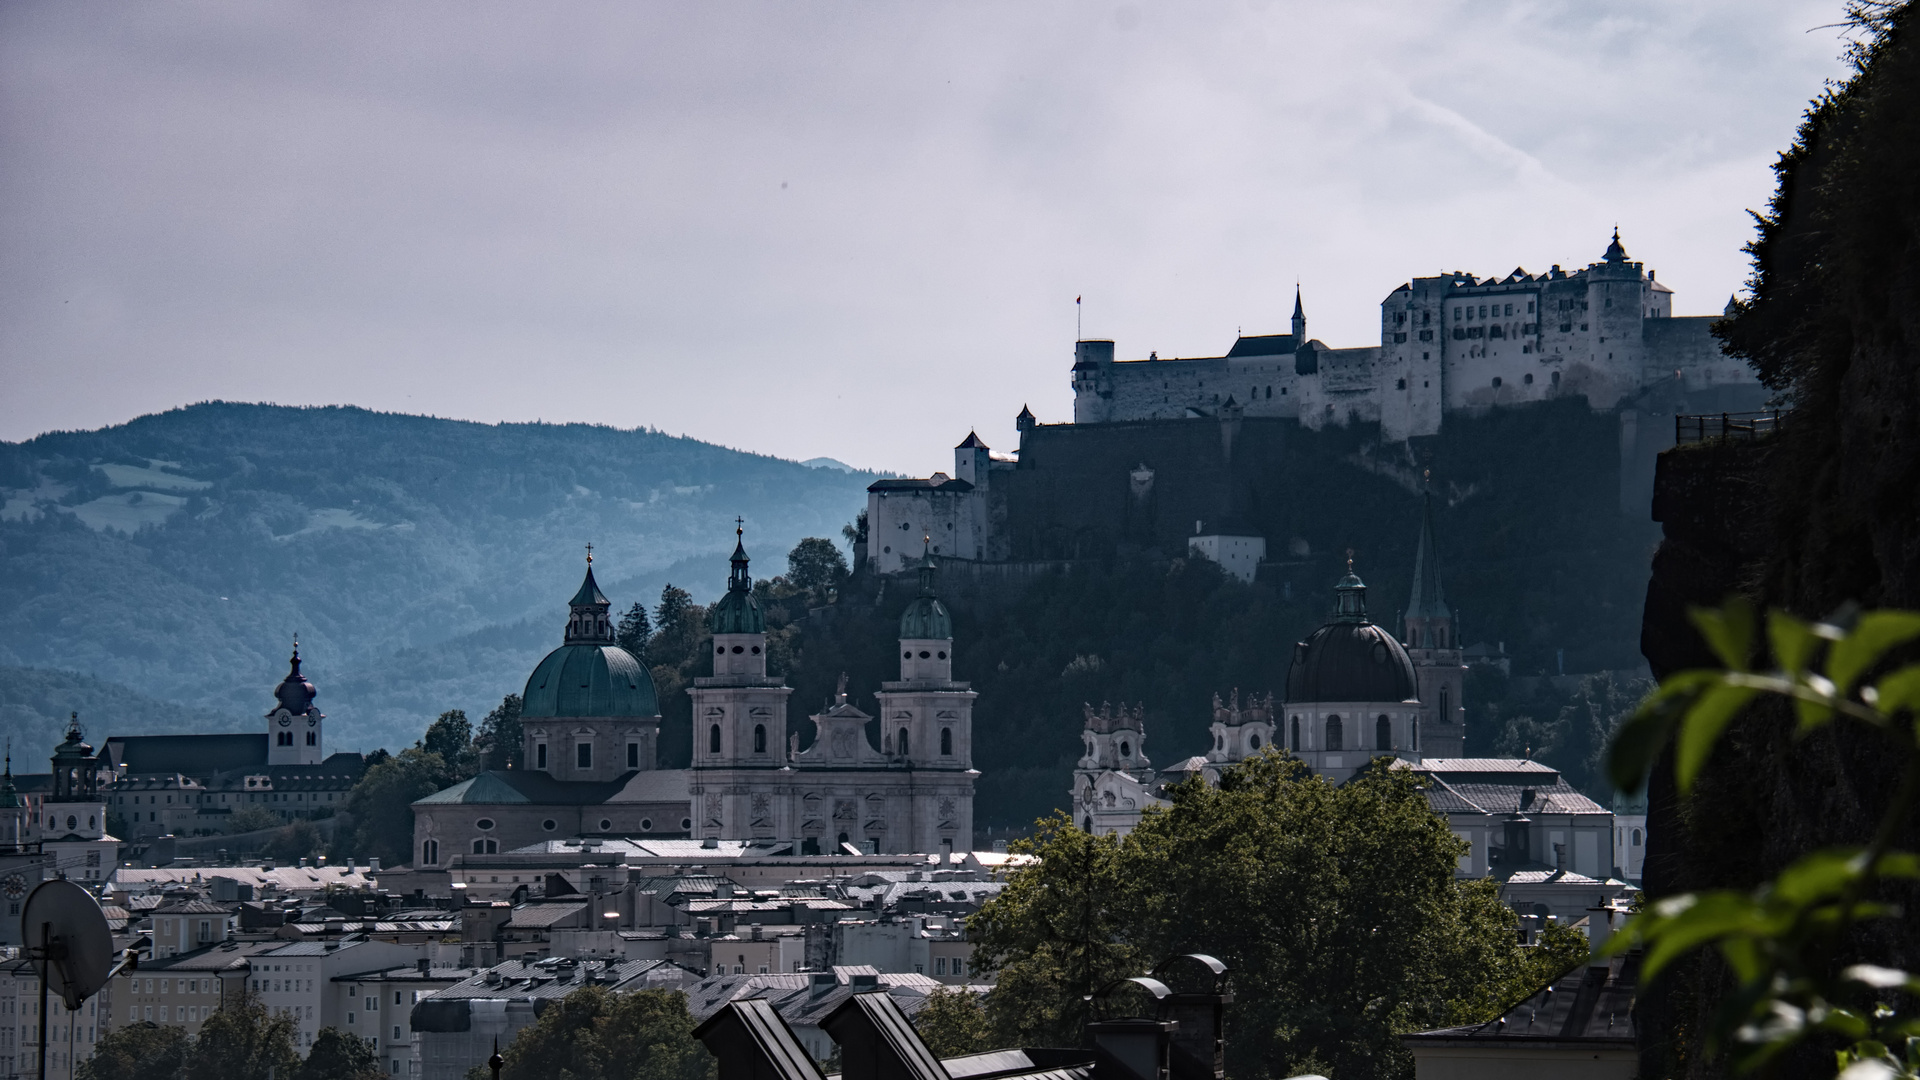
[590, 728]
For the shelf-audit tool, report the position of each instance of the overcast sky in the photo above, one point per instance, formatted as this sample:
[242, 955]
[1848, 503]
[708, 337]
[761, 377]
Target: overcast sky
[844, 229]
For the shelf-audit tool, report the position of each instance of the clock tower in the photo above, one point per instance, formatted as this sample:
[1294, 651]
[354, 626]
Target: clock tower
[293, 727]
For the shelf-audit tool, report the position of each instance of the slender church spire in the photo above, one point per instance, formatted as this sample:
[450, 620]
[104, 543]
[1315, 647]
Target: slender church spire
[1427, 601]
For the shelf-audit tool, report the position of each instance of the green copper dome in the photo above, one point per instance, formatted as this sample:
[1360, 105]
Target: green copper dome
[736, 612]
[589, 675]
[926, 616]
[589, 680]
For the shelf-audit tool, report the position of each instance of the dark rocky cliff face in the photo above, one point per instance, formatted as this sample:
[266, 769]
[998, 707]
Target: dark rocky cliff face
[1824, 514]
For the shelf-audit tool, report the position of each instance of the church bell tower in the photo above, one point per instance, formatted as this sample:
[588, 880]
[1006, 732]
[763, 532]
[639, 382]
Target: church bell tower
[1438, 662]
[293, 725]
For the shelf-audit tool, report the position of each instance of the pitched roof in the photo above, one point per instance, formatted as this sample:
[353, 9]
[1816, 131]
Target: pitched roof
[1586, 1005]
[904, 484]
[193, 755]
[1263, 345]
[522, 786]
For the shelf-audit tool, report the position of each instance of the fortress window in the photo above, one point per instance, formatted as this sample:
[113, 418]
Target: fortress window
[1556, 378]
[1400, 384]
[1483, 311]
[713, 739]
[1528, 379]
[583, 755]
[1529, 307]
[1426, 318]
[1509, 309]
[1496, 382]
[946, 740]
[1333, 733]
[1283, 391]
[1269, 393]
[759, 738]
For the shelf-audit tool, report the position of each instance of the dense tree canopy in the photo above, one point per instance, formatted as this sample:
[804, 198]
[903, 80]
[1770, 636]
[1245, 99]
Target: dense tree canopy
[243, 1040]
[142, 1051]
[595, 1034]
[1336, 908]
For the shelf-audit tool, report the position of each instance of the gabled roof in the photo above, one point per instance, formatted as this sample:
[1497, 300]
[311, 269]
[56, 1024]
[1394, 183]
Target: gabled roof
[521, 786]
[1263, 345]
[973, 442]
[948, 485]
[1588, 1006]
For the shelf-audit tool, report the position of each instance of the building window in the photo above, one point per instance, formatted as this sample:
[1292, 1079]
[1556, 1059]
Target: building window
[430, 852]
[485, 824]
[1496, 382]
[759, 738]
[713, 739]
[1126, 748]
[1254, 743]
[903, 742]
[583, 755]
[313, 738]
[946, 740]
[1383, 734]
[549, 824]
[633, 755]
[1296, 735]
[1445, 713]
[1636, 838]
[540, 755]
[1333, 733]
[486, 846]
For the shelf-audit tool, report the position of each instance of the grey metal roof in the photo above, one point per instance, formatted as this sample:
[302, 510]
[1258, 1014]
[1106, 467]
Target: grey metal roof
[754, 1022]
[1590, 1005]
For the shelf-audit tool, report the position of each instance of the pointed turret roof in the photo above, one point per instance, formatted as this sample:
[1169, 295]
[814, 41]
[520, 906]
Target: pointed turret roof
[1026, 414]
[1615, 252]
[295, 693]
[1299, 311]
[1426, 601]
[973, 441]
[737, 612]
[9, 798]
[589, 594]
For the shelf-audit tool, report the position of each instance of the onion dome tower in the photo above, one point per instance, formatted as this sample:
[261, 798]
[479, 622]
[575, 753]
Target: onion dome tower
[1352, 693]
[739, 718]
[293, 724]
[13, 813]
[589, 711]
[926, 726]
[926, 630]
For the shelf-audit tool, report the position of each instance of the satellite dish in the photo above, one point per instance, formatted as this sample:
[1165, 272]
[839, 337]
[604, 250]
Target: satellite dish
[68, 940]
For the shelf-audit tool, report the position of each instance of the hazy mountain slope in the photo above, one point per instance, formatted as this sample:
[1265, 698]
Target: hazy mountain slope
[424, 563]
[35, 704]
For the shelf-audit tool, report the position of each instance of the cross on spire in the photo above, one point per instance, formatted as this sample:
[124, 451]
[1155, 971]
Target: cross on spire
[739, 526]
[1349, 560]
[589, 553]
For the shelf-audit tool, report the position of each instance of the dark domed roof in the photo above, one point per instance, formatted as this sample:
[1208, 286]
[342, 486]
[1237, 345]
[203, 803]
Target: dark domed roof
[1350, 659]
[1346, 661]
[589, 680]
[295, 693]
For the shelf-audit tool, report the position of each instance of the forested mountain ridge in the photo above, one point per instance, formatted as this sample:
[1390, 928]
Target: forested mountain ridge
[424, 563]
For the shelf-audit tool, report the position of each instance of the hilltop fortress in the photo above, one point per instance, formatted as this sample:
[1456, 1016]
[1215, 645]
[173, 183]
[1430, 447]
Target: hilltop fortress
[1562, 375]
[1448, 343]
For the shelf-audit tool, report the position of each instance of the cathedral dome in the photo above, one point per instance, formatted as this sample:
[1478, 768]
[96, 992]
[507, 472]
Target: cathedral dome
[1351, 659]
[589, 680]
[589, 675]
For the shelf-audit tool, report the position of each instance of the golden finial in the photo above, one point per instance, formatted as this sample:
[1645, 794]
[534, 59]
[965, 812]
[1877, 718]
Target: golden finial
[739, 527]
[1349, 560]
[589, 553]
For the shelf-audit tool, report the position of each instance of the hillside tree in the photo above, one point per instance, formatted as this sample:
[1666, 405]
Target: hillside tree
[633, 631]
[498, 742]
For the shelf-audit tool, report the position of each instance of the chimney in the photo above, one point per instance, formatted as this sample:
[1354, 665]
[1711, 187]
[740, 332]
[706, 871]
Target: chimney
[1130, 1049]
[423, 965]
[373, 864]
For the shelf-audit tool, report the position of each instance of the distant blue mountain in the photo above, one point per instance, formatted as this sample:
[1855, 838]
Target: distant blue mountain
[424, 563]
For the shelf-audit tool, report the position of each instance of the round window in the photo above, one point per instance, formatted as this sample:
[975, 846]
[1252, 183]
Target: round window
[738, 649]
[686, 823]
[606, 825]
[646, 824]
[942, 654]
[924, 654]
[719, 650]
[72, 822]
[485, 824]
[906, 656]
[756, 650]
[549, 824]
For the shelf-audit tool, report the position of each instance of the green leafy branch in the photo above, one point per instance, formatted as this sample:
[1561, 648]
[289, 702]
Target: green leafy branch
[1776, 939]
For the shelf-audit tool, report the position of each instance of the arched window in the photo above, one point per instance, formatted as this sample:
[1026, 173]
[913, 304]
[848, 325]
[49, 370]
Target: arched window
[1296, 735]
[1333, 733]
[430, 852]
[1636, 838]
[1126, 748]
[946, 740]
[1446, 714]
[1383, 733]
[1086, 825]
[1416, 734]
[903, 742]
[759, 738]
[1441, 636]
[486, 847]
[1254, 743]
[713, 739]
